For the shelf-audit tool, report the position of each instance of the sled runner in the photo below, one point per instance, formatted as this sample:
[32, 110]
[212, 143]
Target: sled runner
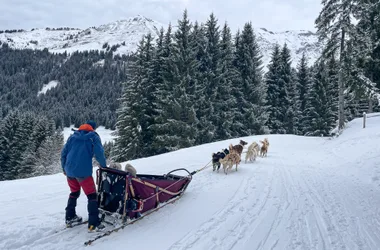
[124, 199]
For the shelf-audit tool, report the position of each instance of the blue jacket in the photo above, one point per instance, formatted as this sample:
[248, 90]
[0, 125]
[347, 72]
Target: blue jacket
[77, 154]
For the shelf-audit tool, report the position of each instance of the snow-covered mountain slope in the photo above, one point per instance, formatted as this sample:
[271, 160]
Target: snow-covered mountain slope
[298, 42]
[106, 135]
[309, 193]
[128, 33]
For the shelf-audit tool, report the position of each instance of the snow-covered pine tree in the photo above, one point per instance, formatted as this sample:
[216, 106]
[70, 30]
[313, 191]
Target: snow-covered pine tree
[177, 119]
[237, 90]
[319, 120]
[209, 84]
[19, 155]
[25, 142]
[335, 25]
[129, 141]
[226, 104]
[272, 79]
[285, 86]
[368, 48]
[10, 125]
[48, 153]
[295, 102]
[252, 100]
[203, 106]
[158, 62]
[146, 99]
[333, 87]
[304, 81]
[184, 120]
[29, 166]
[42, 129]
[163, 137]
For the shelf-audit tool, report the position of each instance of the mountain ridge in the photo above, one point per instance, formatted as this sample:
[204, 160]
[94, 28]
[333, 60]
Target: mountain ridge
[123, 37]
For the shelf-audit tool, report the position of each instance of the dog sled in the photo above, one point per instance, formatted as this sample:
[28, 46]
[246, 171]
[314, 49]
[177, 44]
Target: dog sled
[124, 199]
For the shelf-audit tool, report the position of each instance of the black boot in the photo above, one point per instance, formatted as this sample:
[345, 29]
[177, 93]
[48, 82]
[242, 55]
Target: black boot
[94, 222]
[71, 204]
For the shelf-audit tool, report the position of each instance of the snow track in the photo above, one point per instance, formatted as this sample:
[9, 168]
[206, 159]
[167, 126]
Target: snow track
[309, 193]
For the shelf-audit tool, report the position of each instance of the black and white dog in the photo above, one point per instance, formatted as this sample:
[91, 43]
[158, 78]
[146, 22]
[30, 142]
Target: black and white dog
[216, 157]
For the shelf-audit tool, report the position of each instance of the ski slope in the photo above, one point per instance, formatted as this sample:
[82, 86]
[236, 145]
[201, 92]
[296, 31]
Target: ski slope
[309, 193]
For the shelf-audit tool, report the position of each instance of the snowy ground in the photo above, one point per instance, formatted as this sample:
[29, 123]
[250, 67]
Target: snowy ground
[105, 134]
[309, 193]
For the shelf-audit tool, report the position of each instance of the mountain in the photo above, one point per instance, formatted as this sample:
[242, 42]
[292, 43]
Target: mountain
[298, 41]
[125, 35]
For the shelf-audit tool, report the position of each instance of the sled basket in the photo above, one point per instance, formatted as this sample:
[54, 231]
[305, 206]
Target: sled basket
[124, 196]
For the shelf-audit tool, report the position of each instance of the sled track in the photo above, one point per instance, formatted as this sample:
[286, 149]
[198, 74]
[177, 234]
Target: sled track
[242, 216]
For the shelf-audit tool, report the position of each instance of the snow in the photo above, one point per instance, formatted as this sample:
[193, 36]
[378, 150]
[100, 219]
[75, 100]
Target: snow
[129, 32]
[309, 193]
[106, 135]
[46, 87]
[298, 41]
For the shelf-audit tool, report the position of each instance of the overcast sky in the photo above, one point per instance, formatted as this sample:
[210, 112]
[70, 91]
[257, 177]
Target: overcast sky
[275, 15]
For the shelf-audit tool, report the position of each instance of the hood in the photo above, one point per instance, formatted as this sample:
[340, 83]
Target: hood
[83, 134]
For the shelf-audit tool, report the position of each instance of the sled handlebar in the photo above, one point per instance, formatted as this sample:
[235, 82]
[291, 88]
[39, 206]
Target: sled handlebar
[179, 169]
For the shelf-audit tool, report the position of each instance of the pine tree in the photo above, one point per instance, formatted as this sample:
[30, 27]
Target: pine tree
[303, 84]
[29, 165]
[25, 143]
[164, 94]
[285, 88]
[333, 87]
[319, 118]
[334, 25]
[226, 104]
[158, 62]
[252, 99]
[367, 47]
[184, 67]
[49, 154]
[204, 105]
[272, 78]
[178, 119]
[210, 81]
[8, 157]
[295, 102]
[129, 141]
[147, 99]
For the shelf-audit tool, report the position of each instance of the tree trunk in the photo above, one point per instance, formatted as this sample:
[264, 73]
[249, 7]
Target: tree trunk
[341, 115]
[370, 101]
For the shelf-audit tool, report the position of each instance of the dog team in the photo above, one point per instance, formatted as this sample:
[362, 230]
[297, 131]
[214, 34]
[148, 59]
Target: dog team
[227, 157]
[232, 155]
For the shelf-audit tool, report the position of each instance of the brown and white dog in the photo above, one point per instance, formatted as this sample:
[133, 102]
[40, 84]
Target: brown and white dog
[130, 169]
[253, 152]
[238, 148]
[264, 148]
[229, 161]
[115, 165]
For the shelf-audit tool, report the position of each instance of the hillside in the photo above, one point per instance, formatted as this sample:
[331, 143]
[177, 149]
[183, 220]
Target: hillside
[309, 193]
[127, 33]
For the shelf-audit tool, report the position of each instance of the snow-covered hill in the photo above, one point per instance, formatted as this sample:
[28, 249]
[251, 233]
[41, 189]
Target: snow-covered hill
[127, 33]
[309, 193]
[298, 42]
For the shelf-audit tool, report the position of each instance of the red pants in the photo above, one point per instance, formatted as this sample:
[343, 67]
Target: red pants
[87, 185]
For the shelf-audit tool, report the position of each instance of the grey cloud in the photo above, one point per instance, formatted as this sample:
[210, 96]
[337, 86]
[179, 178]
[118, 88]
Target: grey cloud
[276, 15]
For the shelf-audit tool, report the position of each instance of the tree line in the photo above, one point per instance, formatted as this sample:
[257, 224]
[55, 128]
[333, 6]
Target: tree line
[199, 85]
